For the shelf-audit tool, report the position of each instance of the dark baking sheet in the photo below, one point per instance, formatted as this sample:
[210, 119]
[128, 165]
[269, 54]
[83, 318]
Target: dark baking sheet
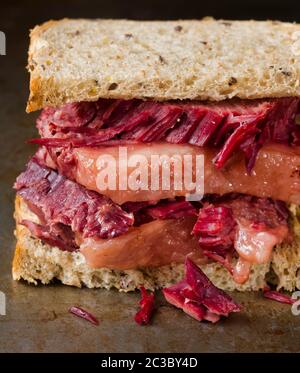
[37, 319]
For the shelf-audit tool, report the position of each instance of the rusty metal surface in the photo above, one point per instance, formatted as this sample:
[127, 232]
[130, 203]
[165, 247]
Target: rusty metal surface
[37, 319]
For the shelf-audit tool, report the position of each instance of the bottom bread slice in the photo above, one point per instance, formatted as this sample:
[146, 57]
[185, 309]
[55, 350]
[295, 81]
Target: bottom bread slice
[35, 261]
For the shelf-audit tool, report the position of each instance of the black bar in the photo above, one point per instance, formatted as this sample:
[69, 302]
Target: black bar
[133, 362]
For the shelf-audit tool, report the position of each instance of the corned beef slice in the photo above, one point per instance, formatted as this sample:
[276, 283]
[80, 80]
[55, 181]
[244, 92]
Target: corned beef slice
[224, 219]
[175, 296]
[145, 212]
[59, 235]
[214, 299]
[229, 126]
[198, 297]
[143, 316]
[80, 312]
[215, 228]
[172, 209]
[278, 297]
[65, 208]
[58, 200]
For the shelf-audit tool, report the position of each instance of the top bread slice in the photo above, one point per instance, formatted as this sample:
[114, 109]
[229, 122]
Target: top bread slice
[83, 60]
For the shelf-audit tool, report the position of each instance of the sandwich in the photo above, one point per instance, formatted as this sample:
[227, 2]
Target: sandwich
[227, 92]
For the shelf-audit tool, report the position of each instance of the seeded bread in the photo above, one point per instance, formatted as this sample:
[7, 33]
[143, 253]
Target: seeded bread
[82, 60]
[35, 261]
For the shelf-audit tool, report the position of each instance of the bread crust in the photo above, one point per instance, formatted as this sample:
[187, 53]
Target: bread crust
[83, 60]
